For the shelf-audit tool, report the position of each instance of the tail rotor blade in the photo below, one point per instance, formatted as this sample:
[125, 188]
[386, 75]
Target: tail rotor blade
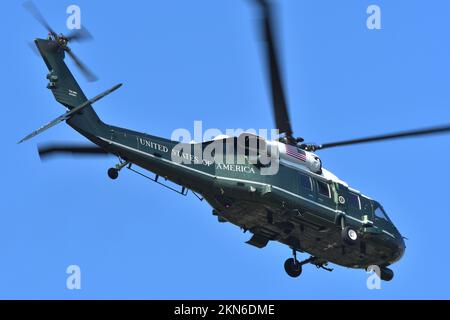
[61, 41]
[90, 76]
[34, 48]
[31, 8]
[82, 34]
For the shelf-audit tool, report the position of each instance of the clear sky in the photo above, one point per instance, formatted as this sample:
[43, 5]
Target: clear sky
[182, 61]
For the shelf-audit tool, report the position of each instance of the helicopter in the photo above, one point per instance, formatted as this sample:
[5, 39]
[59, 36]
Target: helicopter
[302, 205]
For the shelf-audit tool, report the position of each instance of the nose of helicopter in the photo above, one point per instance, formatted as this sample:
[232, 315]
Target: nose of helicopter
[401, 247]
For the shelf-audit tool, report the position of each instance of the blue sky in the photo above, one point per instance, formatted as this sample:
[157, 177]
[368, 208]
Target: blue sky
[182, 61]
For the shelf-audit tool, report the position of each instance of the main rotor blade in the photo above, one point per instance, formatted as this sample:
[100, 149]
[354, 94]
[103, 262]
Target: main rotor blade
[391, 136]
[31, 8]
[47, 150]
[280, 109]
[90, 76]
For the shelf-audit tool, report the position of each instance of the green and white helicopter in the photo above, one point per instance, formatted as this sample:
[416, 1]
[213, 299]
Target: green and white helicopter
[302, 205]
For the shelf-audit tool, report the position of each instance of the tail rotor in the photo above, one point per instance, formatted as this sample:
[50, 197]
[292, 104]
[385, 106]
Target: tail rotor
[61, 41]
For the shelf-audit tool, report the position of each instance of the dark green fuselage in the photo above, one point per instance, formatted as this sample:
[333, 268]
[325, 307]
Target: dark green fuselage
[272, 207]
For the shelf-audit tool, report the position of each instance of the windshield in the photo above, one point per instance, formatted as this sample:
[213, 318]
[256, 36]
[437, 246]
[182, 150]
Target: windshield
[379, 212]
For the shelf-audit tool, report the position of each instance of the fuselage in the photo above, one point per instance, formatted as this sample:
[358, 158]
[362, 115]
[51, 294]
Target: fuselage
[300, 204]
[295, 206]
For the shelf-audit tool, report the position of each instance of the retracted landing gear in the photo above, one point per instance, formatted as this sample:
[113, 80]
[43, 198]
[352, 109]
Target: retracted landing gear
[113, 173]
[294, 268]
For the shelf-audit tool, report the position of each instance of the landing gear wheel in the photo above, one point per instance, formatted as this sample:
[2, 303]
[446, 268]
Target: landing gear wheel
[113, 173]
[349, 236]
[386, 274]
[293, 267]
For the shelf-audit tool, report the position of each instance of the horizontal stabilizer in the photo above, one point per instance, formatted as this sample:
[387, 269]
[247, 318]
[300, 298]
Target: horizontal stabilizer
[70, 113]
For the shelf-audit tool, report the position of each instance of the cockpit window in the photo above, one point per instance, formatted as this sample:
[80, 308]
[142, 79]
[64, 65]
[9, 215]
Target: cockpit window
[379, 212]
[323, 189]
[305, 181]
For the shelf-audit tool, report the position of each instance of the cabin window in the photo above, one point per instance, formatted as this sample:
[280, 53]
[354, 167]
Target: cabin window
[353, 201]
[366, 206]
[305, 181]
[323, 188]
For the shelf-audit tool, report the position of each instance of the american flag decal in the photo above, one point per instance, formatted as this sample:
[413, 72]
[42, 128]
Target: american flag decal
[295, 153]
